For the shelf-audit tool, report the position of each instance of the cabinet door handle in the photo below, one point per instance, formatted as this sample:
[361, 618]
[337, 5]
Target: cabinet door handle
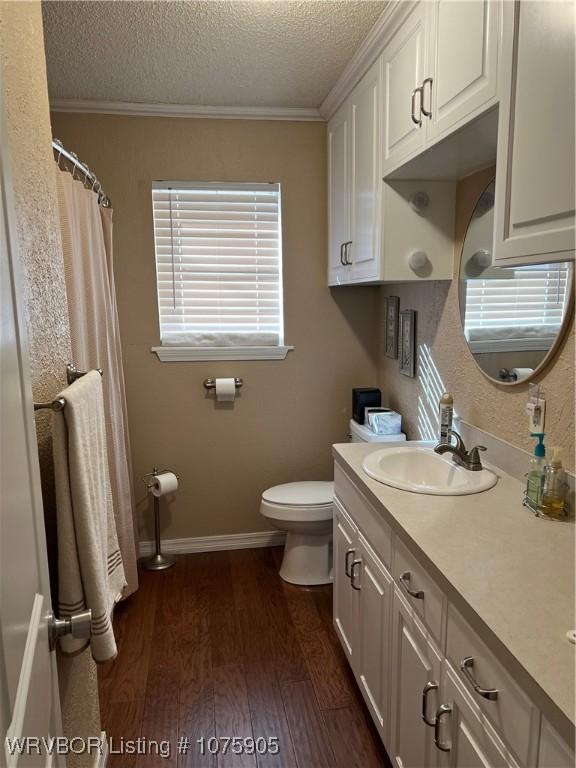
[445, 709]
[347, 562]
[430, 686]
[347, 252]
[353, 575]
[405, 581]
[415, 119]
[426, 112]
[466, 667]
[342, 255]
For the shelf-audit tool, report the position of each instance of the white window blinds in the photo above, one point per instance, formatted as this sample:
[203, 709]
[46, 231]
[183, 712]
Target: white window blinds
[218, 263]
[521, 310]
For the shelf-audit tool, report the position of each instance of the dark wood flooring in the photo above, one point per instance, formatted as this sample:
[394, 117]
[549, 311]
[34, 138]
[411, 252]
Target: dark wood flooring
[220, 646]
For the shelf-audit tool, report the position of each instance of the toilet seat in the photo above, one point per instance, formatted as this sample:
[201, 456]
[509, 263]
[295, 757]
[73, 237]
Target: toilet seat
[310, 493]
[305, 501]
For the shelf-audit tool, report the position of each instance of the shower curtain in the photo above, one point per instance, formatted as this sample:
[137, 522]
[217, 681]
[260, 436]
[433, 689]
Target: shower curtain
[87, 244]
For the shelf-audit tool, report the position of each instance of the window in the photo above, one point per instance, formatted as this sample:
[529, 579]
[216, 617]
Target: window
[522, 310]
[219, 270]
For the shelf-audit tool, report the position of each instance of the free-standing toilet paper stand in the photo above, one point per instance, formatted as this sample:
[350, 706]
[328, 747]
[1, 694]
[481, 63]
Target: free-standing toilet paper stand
[157, 561]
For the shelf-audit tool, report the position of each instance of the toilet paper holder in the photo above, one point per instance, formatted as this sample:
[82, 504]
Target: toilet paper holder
[148, 479]
[211, 383]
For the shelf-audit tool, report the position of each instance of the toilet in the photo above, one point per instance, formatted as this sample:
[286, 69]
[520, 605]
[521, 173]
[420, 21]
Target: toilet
[305, 510]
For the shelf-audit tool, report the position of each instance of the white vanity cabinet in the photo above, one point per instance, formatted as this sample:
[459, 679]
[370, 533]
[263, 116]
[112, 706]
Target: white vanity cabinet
[373, 665]
[345, 596]
[354, 184]
[438, 695]
[534, 206]
[415, 681]
[439, 72]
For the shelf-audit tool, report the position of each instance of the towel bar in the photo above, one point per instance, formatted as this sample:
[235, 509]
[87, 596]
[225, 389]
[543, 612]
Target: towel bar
[72, 373]
[55, 405]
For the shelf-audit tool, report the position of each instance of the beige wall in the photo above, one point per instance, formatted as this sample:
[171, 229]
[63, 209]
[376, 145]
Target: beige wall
[289, 412]
[494, 408]
[25, 98]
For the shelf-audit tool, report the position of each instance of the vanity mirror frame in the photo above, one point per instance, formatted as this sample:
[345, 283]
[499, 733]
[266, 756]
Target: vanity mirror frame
[563, 330]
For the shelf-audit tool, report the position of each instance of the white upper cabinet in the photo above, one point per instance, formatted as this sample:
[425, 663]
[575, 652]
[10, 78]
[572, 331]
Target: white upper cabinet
[534, 208]
[363, 252]
[462, 70]
[439, 73]
[338, 195]
[403, 71]
[354, 184]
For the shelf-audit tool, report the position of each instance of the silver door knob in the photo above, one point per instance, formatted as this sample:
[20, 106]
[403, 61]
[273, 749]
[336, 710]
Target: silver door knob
[79, 625]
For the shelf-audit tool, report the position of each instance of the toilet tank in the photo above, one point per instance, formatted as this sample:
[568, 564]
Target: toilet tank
[361, 434]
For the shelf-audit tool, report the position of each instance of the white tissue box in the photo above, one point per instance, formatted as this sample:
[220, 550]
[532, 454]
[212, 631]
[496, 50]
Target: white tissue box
[383, 421]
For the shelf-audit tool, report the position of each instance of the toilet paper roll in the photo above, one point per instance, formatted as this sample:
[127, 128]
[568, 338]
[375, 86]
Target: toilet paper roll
[521, 373]
[225, 390]
[165, 482]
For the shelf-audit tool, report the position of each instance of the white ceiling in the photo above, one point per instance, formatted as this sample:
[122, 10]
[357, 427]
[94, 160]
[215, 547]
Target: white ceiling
[266, 53]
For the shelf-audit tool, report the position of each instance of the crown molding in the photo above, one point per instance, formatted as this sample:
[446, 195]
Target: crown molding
[306, 114]
[391, 17]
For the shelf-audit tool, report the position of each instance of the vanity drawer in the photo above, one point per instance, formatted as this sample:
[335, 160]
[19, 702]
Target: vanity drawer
[420, 590]
[371, 523]
[511, 712]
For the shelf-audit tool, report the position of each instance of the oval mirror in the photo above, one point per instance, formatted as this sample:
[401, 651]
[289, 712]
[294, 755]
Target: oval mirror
[513, 317]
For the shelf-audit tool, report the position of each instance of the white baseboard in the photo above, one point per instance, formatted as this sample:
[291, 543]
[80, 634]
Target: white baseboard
[101, 758]
[216, 543]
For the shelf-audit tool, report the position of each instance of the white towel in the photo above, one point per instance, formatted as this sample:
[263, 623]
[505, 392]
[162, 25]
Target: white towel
[90, 570]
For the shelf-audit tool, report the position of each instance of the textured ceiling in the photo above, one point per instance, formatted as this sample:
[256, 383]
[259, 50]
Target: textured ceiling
[273, 53]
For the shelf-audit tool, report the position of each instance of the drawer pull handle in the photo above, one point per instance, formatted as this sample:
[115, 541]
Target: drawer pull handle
[445, 709]
[430, 686]
[347, 561]
[466, 666]
[353, 575]
[404, 580]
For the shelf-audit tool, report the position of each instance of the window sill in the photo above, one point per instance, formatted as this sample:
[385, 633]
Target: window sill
[174, 353]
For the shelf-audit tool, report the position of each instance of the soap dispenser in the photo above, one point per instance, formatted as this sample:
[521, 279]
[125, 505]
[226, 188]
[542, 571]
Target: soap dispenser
[552, 504]
[535, 476]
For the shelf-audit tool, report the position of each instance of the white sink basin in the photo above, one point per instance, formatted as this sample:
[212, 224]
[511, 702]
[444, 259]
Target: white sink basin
[420, 470]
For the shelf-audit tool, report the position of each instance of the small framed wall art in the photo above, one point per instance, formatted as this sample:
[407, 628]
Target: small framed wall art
[408, 342]
[391, 327]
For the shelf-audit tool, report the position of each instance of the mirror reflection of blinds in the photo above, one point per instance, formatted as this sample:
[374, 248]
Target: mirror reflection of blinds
[529, 304]
[218, 263]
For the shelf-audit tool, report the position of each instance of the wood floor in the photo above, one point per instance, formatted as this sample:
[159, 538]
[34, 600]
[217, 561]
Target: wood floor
[220, 646]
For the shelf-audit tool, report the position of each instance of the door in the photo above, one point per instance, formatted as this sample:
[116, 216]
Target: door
[416, 666]
[345, 597]
[376, 588]
[465, 738]
[364, 250]
[338, 196]
[403, 66]
[29, 703]
[464, 36]
[535, 194]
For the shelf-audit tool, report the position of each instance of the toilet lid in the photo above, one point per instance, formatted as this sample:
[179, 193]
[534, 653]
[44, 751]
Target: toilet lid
[311, 493]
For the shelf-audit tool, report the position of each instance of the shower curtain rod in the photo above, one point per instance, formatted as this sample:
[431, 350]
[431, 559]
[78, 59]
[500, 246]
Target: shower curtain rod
[90, 179]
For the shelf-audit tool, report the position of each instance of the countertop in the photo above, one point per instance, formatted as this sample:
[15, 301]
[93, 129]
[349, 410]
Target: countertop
[509, 573]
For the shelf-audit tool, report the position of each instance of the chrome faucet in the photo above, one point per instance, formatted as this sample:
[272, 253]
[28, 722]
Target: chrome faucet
[467, 459]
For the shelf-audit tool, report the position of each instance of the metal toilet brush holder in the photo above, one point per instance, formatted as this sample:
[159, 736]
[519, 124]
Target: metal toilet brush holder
[158, 561]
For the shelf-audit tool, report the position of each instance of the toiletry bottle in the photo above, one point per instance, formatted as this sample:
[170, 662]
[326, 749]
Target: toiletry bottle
[554, 488]
[535, 476]
[446, 413]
